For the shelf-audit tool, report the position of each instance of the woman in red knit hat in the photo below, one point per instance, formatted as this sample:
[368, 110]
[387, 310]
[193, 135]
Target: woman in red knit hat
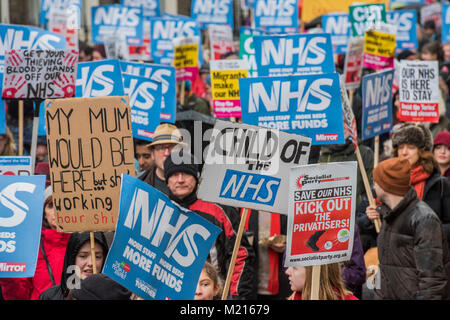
[441, 152]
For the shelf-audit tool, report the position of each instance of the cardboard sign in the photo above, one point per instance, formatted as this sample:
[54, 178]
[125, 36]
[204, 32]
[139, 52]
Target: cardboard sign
[31, 74]
[248, 166]
[99, 79]
[293, 54]
[363, 17]
[377, 103]
[212, 12]
[15, 165]
[186, 58]
[305, 105]
[90, 144]
[21, 203]
[220, 39]
[406, 34]
[225, 75]
[108, 20]
[445, 30]
[145, 102]
[159, 248]
[419, 91]
[280, 16]
[353, 63]
[164, 30]
[321, 216]
[70, 7]
[160, 73]
[150, 8]
[379, 50]
[338, 26]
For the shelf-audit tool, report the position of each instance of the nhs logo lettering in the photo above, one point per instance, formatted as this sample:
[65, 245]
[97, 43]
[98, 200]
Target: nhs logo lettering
[338, 26]
[18, 208]
[294, 54]
[97, 79]
[213, 11]
[249, 187]
[141, 94]
[162, 223]
[406, 35]
[280, 16]
[275, 8]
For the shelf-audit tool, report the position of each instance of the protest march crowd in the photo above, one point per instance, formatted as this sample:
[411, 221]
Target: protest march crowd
[352, 203]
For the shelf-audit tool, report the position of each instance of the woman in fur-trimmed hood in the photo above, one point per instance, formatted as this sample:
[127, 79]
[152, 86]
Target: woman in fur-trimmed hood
[414, 141]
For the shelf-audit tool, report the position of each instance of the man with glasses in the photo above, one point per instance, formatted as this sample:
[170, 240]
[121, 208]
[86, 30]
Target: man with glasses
[165, 138]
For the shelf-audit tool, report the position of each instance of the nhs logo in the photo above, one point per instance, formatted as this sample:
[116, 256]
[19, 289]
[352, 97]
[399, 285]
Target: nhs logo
[276, 15]
[293, 54]
[338, 26]
[406, 22]
[99, 79]
[249, 187]
[212, 11]
[151, 8]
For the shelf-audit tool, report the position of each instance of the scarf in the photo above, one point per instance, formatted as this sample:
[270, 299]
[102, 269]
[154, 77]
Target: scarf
[418, 178]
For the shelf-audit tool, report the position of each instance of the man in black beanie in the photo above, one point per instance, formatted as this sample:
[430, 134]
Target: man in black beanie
[182, 176]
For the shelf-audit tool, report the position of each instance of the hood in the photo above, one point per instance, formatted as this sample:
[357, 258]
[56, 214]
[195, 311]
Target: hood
[76, 241]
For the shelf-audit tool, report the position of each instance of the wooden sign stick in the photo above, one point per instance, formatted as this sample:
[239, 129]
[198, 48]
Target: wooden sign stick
[94, 264]
[226, 287]
[315, 283]
[20, 149]
[376, 151]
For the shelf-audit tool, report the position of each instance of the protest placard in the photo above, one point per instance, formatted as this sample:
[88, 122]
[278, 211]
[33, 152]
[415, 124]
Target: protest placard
[212, 12]
[419, 91]
[280, 16]
[353, 63]
[302, 104]
[406, 34]
[90, 144]
[15, 165]
[64, 22]
[31, 74]
[159, 248]
[377, 103]
[145, 102]
[251, 165]
[293, 54]
[432, 11]
[321, 215]
[220, 40]
[115, 19]
[445, 30]
[150, 8]
[379, 49]
[186, 58]
[21, 203]
[338, 26]
[225, 75]
[71, 8]
[363, 17]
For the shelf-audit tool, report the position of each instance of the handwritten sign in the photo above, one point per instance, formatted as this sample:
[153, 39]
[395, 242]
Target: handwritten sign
[379, 50]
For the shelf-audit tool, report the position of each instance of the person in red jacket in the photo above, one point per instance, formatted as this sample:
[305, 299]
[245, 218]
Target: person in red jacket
[50, 261]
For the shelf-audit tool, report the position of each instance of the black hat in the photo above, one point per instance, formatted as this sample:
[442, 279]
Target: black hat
[101, 287]
[412, 133]
[405, 54]
[180, 161]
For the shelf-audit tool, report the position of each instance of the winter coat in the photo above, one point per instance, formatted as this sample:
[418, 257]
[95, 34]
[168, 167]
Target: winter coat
[226, 218]
[413, 252]
[354, 270]
[54, 244]
[76, 241]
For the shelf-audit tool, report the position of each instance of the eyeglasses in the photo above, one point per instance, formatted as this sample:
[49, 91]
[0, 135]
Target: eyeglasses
[160, 147]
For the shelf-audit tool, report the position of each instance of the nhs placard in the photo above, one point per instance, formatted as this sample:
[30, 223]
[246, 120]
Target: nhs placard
[151, 8]
[114, 19]
[279, 16]
[99, 79]
[305, 104]
[293, 54]
[163, 74]
[445, 23]
[406, 22]
[212, 12]
[338, 26]
[68, 6]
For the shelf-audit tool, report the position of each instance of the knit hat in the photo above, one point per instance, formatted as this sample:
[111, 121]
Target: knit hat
[415, 134]
[393, 176]
[100, 287]
[180, 161]
[47, 193]
[442, 138]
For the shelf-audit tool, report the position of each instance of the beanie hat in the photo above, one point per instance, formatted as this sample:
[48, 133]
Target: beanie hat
[100, 287]
[180, 161]
[442, 138]
[47, 193]
[393, 176]
[414, 134]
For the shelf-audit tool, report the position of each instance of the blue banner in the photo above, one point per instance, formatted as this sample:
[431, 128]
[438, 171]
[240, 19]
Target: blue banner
[159, 248]
[445, 29]
[406, 23]
[212, 12]
[377, 103]
[309, 105]
[145, 103]
[293, 54]
[160, 73]
[21, 203]
[338, 26]
[164, 30]
[280, 16]
[115, 19]
[150, 8]
[99, 79]
[2, 116]
[69, 6]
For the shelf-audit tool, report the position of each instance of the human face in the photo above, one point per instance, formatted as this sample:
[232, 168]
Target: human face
[144, 157]
[428, 56]
[41, 152]
[409, 152]
[159, 154]
[96, 56]
[50, 216]
[181, 184]
[297, 277]
[205, 288]
[83, 259]
[442, 155]
[379, 192]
